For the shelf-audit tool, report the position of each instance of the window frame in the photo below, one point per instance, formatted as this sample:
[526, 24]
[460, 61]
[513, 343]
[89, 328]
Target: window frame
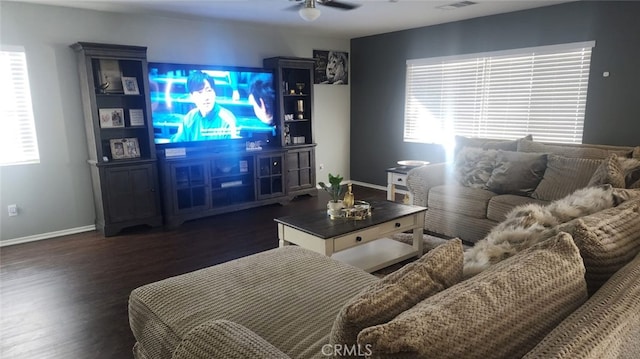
[19, 140]
[459, 98]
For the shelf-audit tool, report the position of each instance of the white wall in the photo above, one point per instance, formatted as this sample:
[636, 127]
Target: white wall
[54, 197]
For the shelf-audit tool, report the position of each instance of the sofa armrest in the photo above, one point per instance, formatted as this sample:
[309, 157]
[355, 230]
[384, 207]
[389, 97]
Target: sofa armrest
[421, 179]
[225, 339]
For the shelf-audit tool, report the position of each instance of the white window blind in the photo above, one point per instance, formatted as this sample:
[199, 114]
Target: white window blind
[504, 95]
[18, 142]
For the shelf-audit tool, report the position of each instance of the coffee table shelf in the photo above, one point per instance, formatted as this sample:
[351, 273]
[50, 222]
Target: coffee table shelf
[377, 254]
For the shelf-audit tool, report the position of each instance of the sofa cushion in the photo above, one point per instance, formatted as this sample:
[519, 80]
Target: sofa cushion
[473, 167]
[225, 339]
[573, 151]
[471, 202]
[382, 301]
[488, 144]
[563, 176]
[293, 295]
[517, 172]
[500, 205]
[468, 229]
[606, 326]
[607, 240]
[502, 312]
[609, 172]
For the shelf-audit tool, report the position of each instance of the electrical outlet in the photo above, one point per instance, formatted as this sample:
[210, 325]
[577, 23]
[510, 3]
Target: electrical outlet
[13, 210]
[320, 167]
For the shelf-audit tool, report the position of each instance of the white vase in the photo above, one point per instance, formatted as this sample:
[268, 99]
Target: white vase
[334, 209]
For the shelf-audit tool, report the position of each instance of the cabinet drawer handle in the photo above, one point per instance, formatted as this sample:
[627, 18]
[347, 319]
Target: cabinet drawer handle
[358, 239]
[399, 179]
[398, 224]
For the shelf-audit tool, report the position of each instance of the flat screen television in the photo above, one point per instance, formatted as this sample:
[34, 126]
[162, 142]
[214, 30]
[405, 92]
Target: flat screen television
[211, 105]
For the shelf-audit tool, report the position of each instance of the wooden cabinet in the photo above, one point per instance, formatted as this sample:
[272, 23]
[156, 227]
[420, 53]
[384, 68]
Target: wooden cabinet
[294, 97]
[122, 156]
[204, 184]
[301, 174]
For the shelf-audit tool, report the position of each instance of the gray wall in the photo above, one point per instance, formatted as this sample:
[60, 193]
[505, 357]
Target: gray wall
[54, 197]
[378, 74]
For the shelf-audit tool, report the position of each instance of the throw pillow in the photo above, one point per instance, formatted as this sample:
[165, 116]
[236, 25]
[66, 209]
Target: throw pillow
[631, 169]
[608, 240]
[502, 312]
[620, 172]
[573, 151]
[609, 172]
[488, 144]
[473, 167]
[382, 301]
[517, 172]
[563, 176]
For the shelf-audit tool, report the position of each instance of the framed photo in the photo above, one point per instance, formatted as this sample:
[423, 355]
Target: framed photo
[332, 67]
[136, 117]
[110, 76]
[111, 117]
[130, 86]
[122, 148]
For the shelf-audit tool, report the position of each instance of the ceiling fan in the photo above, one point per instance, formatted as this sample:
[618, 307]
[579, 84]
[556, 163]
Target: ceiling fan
[308, 11]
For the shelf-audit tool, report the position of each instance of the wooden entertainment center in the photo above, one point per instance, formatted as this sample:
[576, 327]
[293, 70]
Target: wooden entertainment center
[146, 186]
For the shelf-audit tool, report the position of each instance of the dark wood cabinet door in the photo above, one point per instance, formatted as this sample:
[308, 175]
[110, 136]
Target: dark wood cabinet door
[300, 169]
[130, 193]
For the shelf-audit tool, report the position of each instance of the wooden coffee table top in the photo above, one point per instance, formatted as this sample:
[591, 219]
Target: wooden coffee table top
[319, 224]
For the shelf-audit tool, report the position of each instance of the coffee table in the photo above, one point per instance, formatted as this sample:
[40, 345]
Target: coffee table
[361, 243]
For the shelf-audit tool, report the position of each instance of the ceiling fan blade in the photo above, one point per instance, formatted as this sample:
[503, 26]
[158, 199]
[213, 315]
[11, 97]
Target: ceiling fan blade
[338, 4]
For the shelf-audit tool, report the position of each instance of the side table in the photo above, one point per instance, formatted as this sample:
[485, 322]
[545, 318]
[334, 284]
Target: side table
[397, 181]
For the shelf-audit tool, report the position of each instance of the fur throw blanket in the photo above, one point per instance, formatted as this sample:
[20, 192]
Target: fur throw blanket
[529, 224]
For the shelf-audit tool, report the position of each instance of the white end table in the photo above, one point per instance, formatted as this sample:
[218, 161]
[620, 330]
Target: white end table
[397, 179]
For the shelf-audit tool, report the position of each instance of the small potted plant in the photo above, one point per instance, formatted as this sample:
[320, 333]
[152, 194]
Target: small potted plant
[335, 191]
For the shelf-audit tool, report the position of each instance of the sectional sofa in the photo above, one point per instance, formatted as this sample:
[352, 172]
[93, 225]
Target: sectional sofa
[576, 295]
[468, 197]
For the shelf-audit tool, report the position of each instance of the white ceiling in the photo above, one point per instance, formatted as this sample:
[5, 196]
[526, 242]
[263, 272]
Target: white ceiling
[372, 17]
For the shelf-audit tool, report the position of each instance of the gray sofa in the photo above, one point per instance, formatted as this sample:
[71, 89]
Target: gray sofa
[294, 303]
[468, 197]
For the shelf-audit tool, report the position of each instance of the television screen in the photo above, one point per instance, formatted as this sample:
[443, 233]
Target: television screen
[194, 103]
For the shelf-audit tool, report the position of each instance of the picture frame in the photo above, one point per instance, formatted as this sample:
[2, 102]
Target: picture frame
[136, 117]
[331, 67]
[124, 148]
[110, 76]
[130, 85]
[111, 117]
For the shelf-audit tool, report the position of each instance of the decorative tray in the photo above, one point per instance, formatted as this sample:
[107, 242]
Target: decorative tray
[360, 210]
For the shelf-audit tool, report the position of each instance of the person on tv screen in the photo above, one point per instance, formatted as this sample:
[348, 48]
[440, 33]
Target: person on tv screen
[262, 97]
[208, 120]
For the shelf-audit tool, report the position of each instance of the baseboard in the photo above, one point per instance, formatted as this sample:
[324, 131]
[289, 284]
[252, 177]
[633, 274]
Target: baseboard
[38, 237]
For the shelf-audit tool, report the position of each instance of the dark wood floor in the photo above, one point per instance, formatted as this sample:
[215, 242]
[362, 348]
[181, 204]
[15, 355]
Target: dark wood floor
[67, 297]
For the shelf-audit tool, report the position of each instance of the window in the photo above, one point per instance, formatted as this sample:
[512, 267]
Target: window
[504, 95]
[18, 141]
